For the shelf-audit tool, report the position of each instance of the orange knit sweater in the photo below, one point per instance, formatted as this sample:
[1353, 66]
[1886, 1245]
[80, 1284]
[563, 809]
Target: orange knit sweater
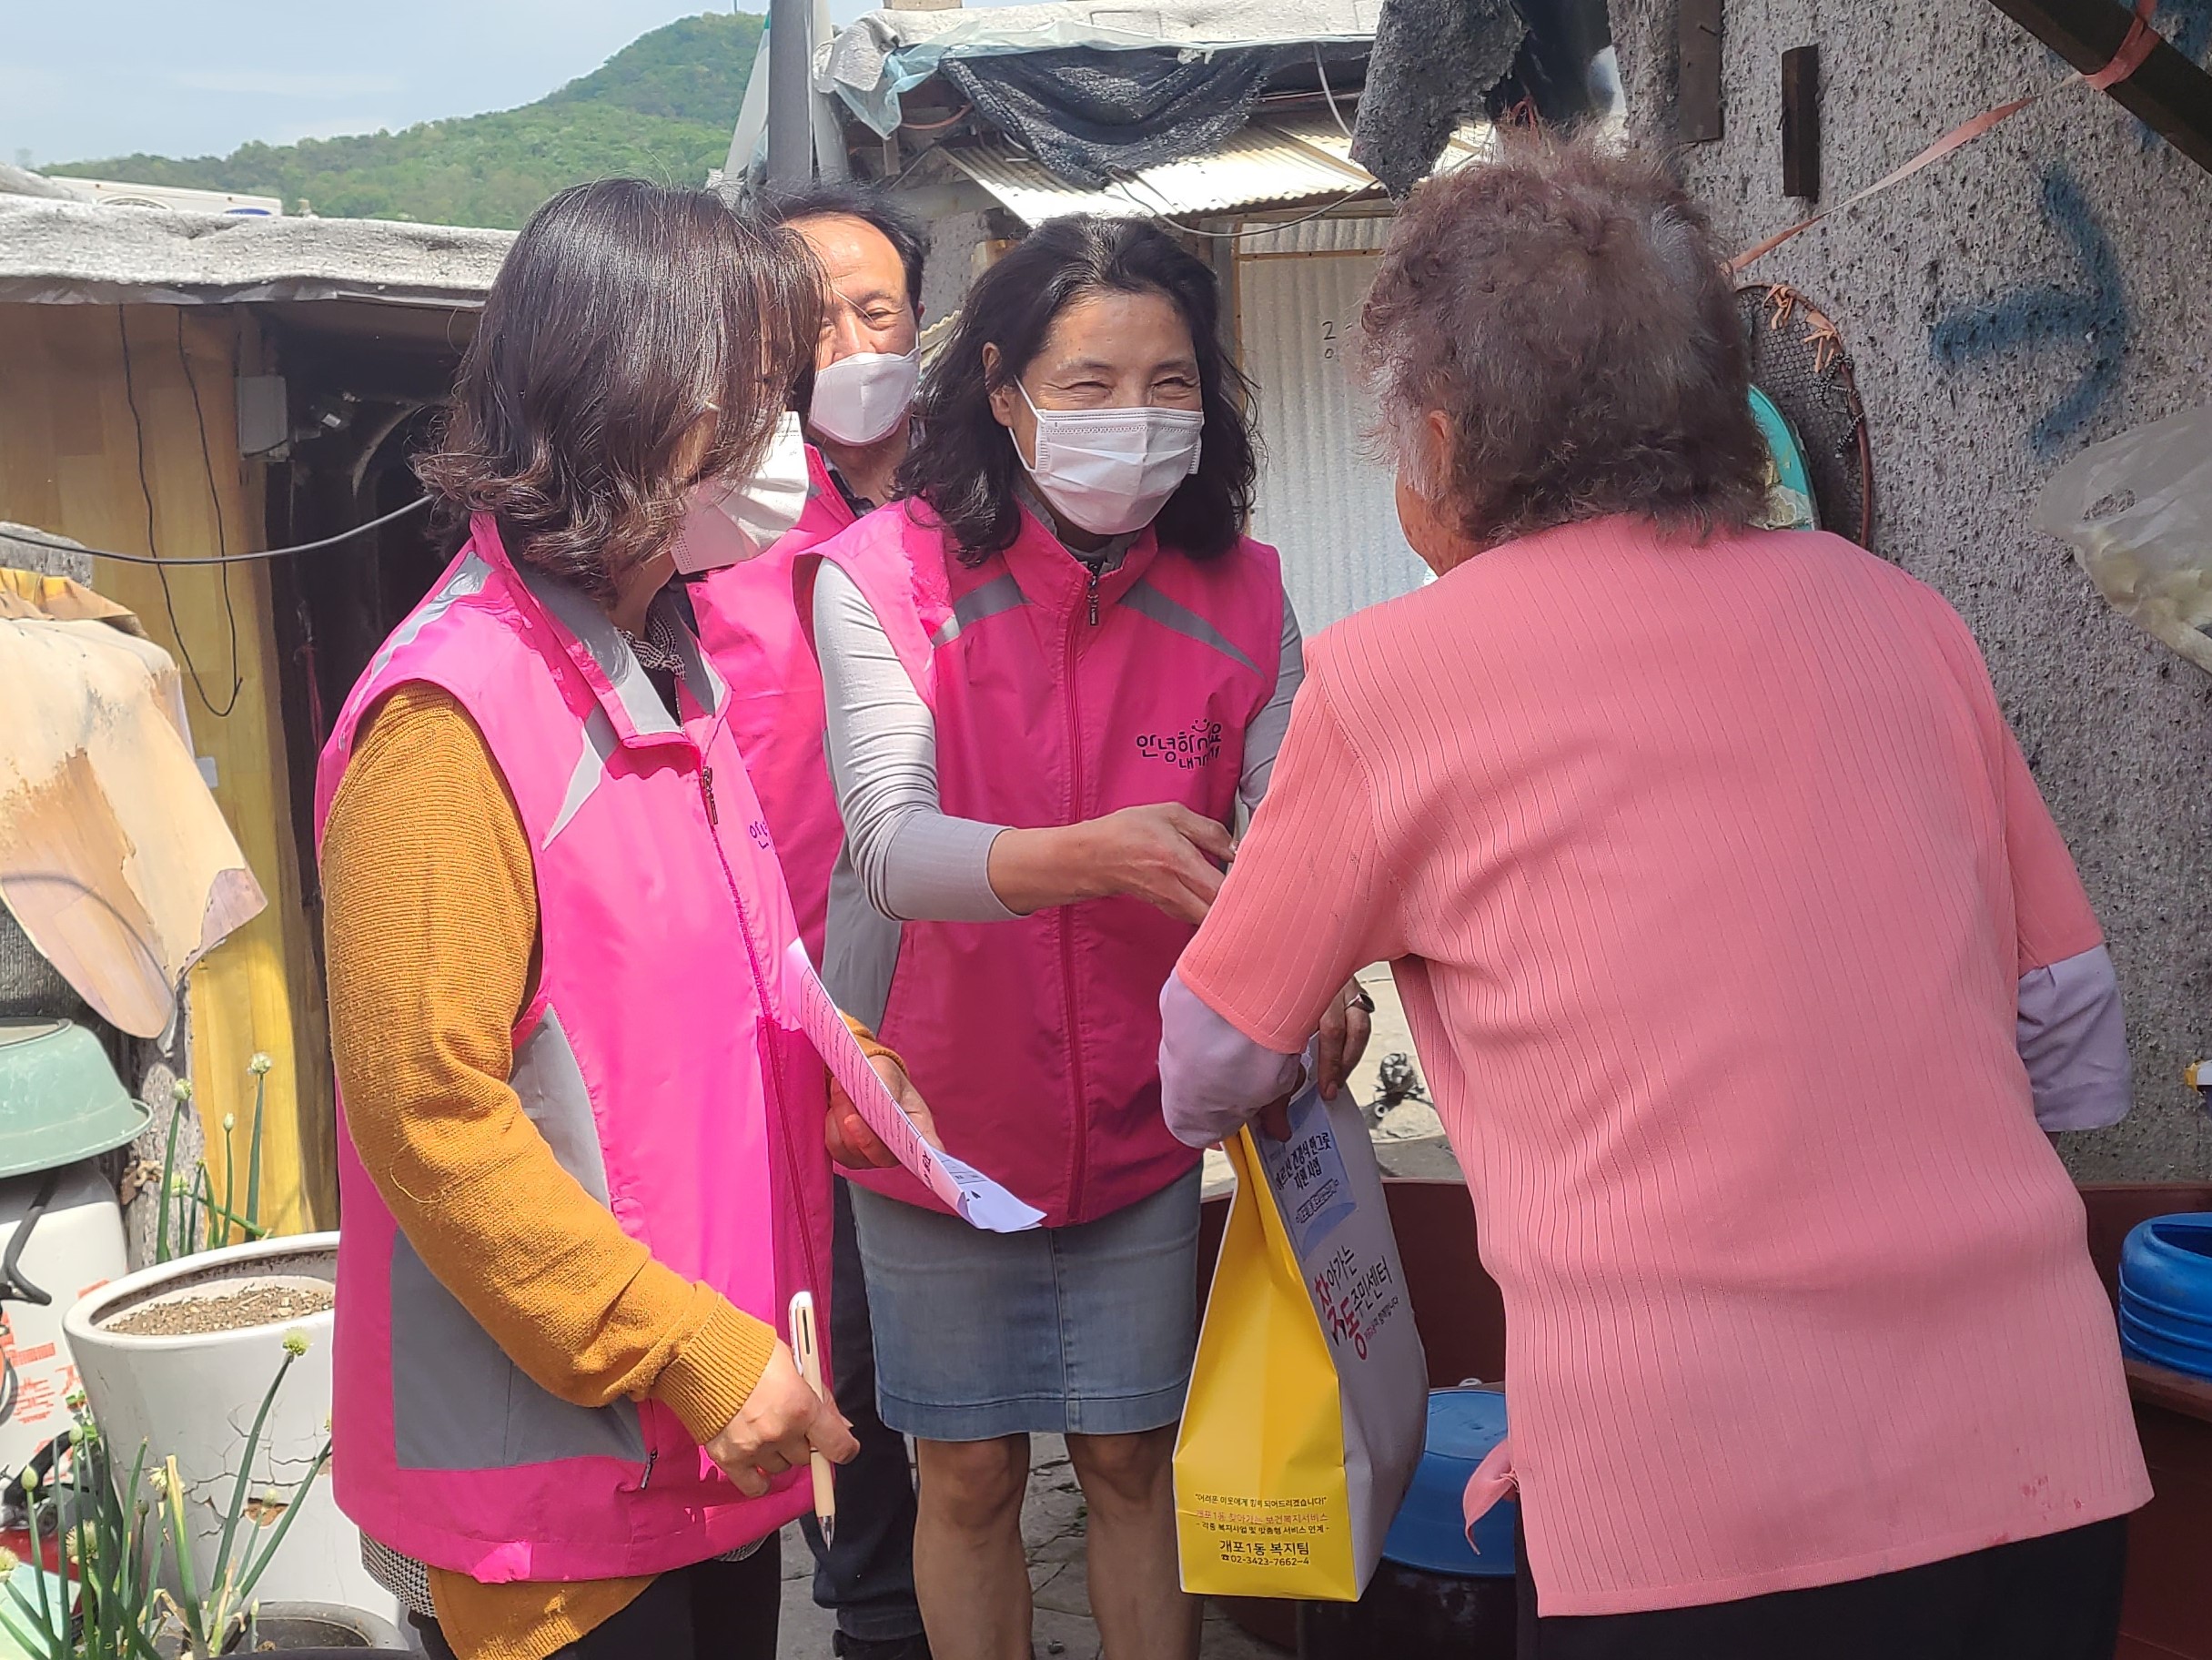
[431, 928]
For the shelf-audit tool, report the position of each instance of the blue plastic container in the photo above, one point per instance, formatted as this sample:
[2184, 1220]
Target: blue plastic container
[1429, 1531]
[2165, 1292]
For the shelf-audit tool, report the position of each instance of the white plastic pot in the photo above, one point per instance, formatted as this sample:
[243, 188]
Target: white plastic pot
[71, 1243]
[193, 1399]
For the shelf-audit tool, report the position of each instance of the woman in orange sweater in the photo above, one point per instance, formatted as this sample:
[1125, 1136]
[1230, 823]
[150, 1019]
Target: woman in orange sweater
[542, 1163]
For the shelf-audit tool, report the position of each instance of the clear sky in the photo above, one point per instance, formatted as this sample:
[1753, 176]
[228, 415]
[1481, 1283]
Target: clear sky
[85, 78]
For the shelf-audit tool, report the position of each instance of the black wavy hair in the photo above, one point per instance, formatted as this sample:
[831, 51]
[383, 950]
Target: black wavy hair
[870, 204]
[963, 463]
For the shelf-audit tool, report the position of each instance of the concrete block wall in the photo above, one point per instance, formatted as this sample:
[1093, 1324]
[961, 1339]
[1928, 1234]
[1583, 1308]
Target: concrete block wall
[2047, 286]
[954, 238]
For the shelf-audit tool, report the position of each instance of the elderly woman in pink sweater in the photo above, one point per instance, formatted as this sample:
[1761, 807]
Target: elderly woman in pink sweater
[1746, 961]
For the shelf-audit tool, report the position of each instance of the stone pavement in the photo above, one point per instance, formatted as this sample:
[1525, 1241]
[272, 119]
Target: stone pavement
[1052, 1533]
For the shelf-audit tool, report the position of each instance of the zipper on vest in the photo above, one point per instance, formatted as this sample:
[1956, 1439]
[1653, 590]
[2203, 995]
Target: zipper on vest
[653, 1457]
[1080, 1123]
[777, 1127]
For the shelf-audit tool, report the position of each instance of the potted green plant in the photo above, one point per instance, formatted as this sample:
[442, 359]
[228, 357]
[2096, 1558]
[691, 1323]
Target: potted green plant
[170, 1356]
[101, 1602]
[115, 1537]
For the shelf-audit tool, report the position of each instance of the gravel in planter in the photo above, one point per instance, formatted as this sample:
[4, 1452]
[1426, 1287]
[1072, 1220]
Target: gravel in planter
[199, 1313]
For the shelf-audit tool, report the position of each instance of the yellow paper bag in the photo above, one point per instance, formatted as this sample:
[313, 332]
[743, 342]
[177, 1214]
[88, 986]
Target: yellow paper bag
[1309, 1396]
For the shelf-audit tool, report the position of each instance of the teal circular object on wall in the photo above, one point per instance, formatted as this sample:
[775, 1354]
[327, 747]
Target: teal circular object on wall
[1789, 498]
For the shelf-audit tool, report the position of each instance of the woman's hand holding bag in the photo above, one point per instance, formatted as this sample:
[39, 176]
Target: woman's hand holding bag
[1344, 1033]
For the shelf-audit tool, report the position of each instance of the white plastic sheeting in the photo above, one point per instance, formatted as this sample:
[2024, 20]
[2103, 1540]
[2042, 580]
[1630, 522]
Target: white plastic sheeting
[1324, 500]
[2138, 511]
[115, 860]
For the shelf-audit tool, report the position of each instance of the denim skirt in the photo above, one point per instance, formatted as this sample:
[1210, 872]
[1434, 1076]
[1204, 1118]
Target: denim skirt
[1087, 1330]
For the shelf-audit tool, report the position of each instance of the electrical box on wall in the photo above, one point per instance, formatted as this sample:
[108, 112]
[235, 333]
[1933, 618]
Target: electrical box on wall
[264, 423]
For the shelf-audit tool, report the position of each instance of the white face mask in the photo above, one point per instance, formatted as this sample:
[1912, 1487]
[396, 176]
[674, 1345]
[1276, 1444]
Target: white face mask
[1110, 471]
[860, 399]
[729, 522]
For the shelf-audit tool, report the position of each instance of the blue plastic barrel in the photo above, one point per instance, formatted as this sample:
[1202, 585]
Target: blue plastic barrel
[2165, 1292]
[1431, 1531]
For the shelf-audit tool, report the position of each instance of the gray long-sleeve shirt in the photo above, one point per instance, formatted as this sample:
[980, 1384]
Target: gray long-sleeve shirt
[915, 860]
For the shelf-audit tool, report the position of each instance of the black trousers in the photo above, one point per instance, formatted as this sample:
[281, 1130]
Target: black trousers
[865, 1574]
[712, 1611]
[2054, 1598]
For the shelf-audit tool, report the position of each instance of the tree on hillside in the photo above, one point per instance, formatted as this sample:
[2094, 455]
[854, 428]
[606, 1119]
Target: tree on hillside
[661, 108]
[692, 70]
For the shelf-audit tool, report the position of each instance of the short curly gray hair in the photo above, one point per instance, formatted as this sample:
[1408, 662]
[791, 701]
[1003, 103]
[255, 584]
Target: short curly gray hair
[1566, 309]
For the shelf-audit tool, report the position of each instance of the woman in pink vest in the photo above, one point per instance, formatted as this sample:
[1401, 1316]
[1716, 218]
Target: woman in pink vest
[583, 1170]
[1054, 674]
[1743, 956]
[856, 399]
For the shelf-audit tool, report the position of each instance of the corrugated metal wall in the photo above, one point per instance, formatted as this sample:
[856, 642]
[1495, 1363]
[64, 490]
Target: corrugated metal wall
[70, 450]
[1323, 500]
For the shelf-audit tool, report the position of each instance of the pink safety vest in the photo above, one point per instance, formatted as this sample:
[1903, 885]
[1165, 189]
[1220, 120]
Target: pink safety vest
[1058, 697]
[656, 1057]
[749, 621]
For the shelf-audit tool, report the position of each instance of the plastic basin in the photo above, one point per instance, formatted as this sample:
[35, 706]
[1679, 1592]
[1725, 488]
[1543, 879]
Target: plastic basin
[1429, 1531]
[2165, 1292]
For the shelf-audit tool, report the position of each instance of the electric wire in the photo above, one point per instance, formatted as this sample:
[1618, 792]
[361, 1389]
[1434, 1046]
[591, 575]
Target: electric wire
[1270, 228]
[953, 119]
[146, 492]
[222, 535]
[317, 546]
[1321, 71]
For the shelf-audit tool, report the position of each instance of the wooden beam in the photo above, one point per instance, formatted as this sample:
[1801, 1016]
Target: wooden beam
[1698, 72]
[2171, 95]
[1801, 122]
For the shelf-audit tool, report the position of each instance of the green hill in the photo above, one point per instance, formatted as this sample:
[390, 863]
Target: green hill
[661, 108]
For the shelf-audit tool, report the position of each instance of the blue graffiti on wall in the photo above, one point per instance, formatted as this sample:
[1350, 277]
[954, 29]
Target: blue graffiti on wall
[2087, 311]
